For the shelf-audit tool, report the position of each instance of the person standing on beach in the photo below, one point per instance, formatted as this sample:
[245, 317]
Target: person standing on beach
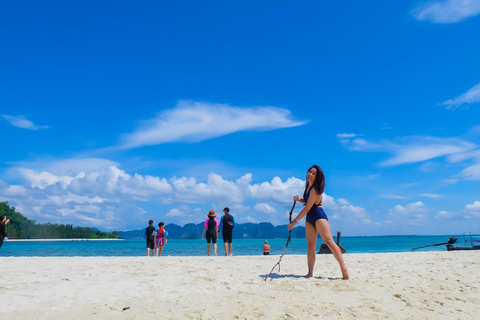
[227, 222]
[150, 238]
[316, 221]
[211, 227]
[266, 248]
[3, 222]
[160, 238]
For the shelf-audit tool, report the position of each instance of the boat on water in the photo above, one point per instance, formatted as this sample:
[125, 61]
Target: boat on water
[324, 249]
[468, 243]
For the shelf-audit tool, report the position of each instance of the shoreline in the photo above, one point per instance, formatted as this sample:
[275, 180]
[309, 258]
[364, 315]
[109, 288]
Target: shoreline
[406, 285]
[63, 239]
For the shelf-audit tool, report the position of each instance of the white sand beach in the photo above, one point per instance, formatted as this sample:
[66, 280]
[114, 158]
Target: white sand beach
[418, 285]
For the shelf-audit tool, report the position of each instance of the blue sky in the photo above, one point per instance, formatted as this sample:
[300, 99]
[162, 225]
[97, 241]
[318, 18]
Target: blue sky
[118, 112]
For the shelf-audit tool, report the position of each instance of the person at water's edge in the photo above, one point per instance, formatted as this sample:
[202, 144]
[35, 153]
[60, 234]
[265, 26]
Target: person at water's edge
[211, 228]
[316, 221]
[150, 238]
[3, 222]
[227, 223]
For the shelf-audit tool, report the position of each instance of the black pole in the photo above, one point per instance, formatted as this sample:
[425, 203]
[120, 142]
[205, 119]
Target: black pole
[431, 245]
[452, 240]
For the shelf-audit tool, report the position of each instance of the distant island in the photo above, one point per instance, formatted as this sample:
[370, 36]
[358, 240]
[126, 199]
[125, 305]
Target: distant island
[21, 227]
[262, 230]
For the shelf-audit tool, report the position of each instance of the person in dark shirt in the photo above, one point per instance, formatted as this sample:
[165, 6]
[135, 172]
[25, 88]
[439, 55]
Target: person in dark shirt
[227, 222]
[150, 237]
[3, 223]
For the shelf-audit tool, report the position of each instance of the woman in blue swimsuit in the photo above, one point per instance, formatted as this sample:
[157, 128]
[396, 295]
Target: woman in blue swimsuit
[317, 221]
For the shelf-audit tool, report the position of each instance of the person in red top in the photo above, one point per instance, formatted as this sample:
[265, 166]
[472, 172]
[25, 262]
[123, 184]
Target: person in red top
[160, 238]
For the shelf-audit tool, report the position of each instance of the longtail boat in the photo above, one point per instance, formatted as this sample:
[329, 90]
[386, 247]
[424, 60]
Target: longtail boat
[324, 249]
[473, 244]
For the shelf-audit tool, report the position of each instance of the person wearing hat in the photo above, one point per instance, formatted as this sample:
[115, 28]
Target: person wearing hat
[211, 228]
[227, 222]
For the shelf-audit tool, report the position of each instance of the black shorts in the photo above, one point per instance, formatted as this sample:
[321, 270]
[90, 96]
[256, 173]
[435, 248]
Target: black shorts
[266, 253]
[227, 235]
[151, 244]
[211, 237]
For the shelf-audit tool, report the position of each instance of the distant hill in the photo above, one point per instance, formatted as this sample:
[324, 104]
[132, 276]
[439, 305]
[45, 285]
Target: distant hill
[263, 230]
[21, 227]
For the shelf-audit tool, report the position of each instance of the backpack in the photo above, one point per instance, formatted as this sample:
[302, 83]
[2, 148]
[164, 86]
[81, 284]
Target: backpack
[228, 221]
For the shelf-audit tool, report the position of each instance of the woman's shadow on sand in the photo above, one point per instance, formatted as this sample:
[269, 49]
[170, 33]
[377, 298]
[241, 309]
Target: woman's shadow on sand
[295, 276]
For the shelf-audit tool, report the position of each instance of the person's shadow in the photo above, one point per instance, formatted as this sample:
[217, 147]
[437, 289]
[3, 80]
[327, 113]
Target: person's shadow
[294, 276]
[280, 276]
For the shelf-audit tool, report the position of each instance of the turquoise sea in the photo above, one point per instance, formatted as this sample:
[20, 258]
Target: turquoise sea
[198, 247]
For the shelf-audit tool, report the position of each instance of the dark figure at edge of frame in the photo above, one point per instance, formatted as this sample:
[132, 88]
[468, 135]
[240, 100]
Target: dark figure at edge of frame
[316, 221]
[3, 222]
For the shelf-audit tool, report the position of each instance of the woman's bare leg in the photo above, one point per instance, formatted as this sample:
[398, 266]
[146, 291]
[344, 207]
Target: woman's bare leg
[324, 230]
[311, 234]
[215, 249]
[208, 248]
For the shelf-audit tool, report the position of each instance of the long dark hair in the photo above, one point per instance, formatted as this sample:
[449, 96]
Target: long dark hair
[319, 183]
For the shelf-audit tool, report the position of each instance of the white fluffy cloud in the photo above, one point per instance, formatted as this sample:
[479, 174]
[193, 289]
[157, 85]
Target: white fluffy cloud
[111, 198]
[412, 208]
[192, 121]
[250, 219]
[175, 213]
[188, 190]
[446, 215]
[22, 122]
[413, 214]
[447, 11]
[277, 190]
[265, 208]
[469, 97]
[351, 214]
[475, 206]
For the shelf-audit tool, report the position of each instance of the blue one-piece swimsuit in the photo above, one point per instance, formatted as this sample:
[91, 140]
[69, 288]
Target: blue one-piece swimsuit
[316, 212]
